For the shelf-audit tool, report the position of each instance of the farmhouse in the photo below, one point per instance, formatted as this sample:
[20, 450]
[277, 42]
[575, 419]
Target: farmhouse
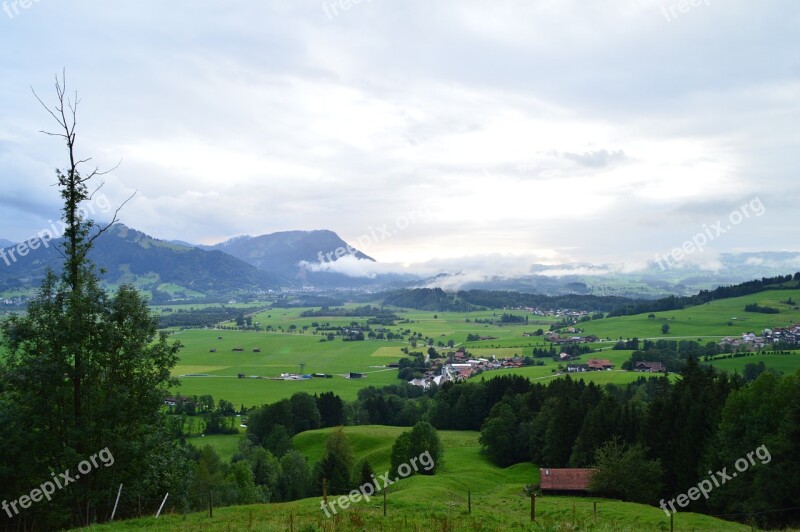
[650, 367]
[564, 481]
[599, 364]
[577, 368]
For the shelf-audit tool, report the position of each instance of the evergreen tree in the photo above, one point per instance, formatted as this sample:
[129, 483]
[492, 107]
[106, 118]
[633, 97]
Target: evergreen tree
[337, 465]
[295, 477]
[85, 371]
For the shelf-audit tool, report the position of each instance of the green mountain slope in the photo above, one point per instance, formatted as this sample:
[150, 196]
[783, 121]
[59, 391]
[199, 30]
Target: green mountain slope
[434, 503]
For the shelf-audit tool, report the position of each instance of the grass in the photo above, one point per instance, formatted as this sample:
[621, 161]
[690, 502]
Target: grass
[226, 445]
[709, 321]
[282, 352]
[784, 363]
[437, 502]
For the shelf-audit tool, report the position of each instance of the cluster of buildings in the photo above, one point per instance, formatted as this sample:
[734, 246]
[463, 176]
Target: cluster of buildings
[789, 334]
[20, 301]
[752, 342]
[600, 364]
[593, 364]
[556, 338]
[462, 367]
[559, 313]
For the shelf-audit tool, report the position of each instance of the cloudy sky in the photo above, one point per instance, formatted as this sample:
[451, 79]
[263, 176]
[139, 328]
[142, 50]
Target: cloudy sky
[544, 130]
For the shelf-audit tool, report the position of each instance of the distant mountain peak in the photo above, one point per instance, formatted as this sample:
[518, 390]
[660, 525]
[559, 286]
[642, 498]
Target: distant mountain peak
[283, 252]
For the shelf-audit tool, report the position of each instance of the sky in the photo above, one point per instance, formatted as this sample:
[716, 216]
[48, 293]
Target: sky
[495, 132]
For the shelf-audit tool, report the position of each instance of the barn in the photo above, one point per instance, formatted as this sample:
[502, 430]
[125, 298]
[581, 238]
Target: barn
[564, 481]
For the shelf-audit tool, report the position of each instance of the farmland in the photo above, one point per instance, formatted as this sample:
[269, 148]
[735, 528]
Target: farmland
[292, 340]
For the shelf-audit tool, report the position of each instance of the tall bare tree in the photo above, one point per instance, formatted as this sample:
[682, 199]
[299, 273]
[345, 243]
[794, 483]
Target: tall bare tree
[85, 371]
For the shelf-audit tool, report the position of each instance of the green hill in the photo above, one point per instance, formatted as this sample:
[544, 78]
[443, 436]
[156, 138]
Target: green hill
[723, 317]
[439, 502]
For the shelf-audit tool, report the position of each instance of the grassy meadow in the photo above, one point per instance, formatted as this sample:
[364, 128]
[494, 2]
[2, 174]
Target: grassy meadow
[291, 341]
[710, 321]
[437, 502]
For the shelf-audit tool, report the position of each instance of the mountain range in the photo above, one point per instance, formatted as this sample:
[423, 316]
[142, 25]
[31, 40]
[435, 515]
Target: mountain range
[174, 270]
[178, 270]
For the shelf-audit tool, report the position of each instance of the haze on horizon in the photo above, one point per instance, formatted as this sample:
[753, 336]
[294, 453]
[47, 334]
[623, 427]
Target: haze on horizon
[508, 131]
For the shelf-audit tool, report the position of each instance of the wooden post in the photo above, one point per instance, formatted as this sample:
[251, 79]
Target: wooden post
[325, 491]
[595, 511]
[533, 507]
[116, 503]
[384, 503]
[671, 516]
[469, 501]
[140, 505]
[210, 504]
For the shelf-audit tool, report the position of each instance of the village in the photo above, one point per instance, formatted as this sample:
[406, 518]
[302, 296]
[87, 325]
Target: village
[751, 342]
[459, 367]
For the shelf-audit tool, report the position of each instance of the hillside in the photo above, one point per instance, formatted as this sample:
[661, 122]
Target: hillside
[712, 320]
[438, 502]
[165, 269]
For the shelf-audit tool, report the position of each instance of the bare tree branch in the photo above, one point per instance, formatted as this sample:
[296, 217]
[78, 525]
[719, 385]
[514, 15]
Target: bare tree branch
[114, 219]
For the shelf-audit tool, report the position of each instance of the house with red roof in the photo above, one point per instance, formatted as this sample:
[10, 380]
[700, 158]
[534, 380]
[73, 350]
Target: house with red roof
[599, 364]
[568, 481]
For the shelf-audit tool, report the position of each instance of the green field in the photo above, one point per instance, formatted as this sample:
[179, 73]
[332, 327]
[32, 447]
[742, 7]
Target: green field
[226, 445]
[784, 363]
[709, 321]
[437, 502]
[282, 351]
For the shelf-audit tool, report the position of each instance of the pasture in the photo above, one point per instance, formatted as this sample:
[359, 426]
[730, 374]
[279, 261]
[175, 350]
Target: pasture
[498, 501]
[292, 340]
[710, 321]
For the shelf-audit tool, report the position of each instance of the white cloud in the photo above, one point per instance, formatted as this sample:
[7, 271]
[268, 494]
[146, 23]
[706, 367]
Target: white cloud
[581, 128]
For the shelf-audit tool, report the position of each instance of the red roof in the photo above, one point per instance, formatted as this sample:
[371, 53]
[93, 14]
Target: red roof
[652, 366]
[600, 363]
[564, 479]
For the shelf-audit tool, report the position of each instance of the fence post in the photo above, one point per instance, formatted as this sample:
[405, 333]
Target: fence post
[671, 516]
[162, 505]
[325, 491]
[384, 503]
[533, 507]
[116, 503]
[469, 501]
[595, 511]
[210, 504]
